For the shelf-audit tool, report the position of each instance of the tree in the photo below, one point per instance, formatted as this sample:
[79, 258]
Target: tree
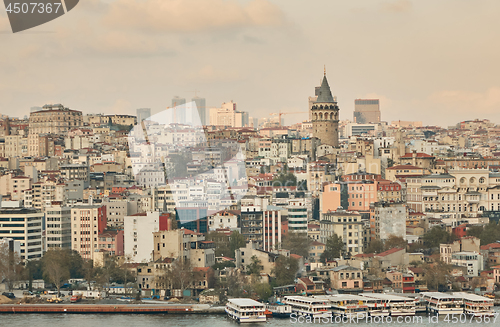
[297, 243]
[254, 268]
[436, 236]
[333, 248]
[179, 275]
[375, 246]
[222, 244]
[10, 266]
[285, 269]
[487, 234]
[288, 179]
[394, 241]
[236, 241]
[263, 291]
[436, 275]
[56, 267]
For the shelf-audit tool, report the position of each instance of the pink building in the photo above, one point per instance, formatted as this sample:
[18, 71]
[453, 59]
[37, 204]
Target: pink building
[496, 274]
[357, 195]
[112, 242]
[346, 279]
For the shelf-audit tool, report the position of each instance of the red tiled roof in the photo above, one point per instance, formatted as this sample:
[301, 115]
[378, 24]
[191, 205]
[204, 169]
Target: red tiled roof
[418, 155]
[295, 256]
[317, 243]
[391, 251]
[490, 246]
[402, 167]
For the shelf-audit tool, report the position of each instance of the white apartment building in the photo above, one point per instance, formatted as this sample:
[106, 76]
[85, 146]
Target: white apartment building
[138, 234]
[57, 227]
[472, 260]
[461, 193]
[23, 225]
[346, 225]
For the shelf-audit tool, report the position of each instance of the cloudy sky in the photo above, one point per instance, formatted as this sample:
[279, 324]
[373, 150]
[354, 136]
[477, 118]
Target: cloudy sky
[435, 61]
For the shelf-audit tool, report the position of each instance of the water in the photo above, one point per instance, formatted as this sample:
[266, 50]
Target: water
[170, 320]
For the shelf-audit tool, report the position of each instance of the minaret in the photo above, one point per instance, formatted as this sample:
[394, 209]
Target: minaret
[325, 116]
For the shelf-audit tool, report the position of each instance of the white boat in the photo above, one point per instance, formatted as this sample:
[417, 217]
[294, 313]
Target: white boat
[476, 305]
[397, 305]
[346, 305]
[443, 303]
[376, 307]
[279, 310]
[246, 310]
[308, 306]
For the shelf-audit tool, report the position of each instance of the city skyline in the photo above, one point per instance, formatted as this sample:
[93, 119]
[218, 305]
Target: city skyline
[418, 58]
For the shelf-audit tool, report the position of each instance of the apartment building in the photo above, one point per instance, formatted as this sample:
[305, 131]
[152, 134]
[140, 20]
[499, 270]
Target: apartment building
[57, 226]
[346, 225]
[87, 222]
[54, 119]
[23, 225]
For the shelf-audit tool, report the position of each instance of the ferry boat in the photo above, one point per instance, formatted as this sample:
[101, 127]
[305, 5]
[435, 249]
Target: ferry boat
[376, 307]
[476, 305]
[246, 310]
[420, 303]
[308, 306]
[397, 305]
[346, 305]
[443, 303]
[279, 310]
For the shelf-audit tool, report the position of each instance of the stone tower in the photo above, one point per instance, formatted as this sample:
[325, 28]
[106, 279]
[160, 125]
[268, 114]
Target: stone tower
[325, 116]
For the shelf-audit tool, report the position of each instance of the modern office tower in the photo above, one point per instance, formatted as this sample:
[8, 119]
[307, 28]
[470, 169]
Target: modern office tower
[202, 109]
[366, 111]
[178, 104]
[325, 116]
[143, 113]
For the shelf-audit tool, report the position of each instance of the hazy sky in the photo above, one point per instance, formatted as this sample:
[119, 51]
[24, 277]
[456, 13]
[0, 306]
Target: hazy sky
[435, 61]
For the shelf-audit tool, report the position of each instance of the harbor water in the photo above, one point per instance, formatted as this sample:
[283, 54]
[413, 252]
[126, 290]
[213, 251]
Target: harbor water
[202, 320]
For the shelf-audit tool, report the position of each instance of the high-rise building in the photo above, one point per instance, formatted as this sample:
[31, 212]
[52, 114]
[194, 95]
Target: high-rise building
[366, 111]
[325, 116]
[202, 109]
[227, 115]
[143, 113]
[178, 104]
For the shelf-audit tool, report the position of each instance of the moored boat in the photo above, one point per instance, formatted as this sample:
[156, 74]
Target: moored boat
[397, 305]
[347, 305]
[279, 310]
[443, 303]
[246, 310]
[308, 306]
[476, 305]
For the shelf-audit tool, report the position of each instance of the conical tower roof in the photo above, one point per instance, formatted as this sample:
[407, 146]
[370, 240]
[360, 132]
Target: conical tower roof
[325, 94]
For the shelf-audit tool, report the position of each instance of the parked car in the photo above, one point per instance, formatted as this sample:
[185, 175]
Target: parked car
[28, 293]
[10, 295]
[51, 292]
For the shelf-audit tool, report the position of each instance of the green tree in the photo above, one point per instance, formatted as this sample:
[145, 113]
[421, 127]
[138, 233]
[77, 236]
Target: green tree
[375, 246]
[288, 179]
[285, 269]
[297, 243]
[437, 235]
[254, 268]
[333, 248]
[236, 241]
[263, 291]
[222, 244]
[394, 241]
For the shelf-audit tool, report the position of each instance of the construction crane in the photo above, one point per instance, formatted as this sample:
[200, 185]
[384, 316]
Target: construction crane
[286, 113]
